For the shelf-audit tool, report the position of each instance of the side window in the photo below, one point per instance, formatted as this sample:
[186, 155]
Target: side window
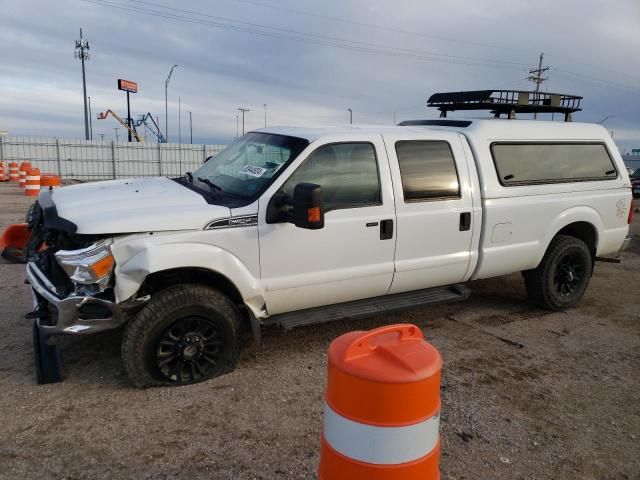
[347, 173]
[540, 163]
[428, 170]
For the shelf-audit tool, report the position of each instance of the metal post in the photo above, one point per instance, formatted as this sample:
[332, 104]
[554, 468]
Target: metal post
[204, 152]
[82, 52]
[265, 115]
[90, 121]
[2, 150]
[243, 110]
[129, 117]
[190, 129]
[166, 109]
[113, 159]
[58, 158]
[179, 121]
[159, 159]
[350, 116]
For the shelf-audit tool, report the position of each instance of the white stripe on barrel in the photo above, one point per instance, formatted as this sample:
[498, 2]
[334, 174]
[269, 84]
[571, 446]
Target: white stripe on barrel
[380, 445]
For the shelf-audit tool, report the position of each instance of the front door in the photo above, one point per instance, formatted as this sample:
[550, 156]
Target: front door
[352, 256]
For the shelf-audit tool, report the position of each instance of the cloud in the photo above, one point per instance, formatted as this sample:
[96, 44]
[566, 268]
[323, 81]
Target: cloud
[308, 68]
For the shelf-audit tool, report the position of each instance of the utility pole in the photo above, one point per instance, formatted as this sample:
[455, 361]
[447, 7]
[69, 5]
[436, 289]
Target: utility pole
[90, 121]
[82, 52]
[190, 129]
[265, 115]
[536, 77]
[166, 109]
[350, 116]
[243, 110]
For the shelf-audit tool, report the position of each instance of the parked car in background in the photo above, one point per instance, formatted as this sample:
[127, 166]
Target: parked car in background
[635, 183]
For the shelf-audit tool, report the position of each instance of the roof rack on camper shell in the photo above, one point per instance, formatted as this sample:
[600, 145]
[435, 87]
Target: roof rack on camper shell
[508, 102]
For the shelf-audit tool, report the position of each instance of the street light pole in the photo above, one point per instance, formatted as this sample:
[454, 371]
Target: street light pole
[166, 108]
[350, 116]
[179, 121]
[190, 129]
[243, 110]
[265, 115]
[90, 120]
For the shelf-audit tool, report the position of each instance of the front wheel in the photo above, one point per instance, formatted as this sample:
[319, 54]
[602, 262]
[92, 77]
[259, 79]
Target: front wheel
[185, 334]
[563, 274]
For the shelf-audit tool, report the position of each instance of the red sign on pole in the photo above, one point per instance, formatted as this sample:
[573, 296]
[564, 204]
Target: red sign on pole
[127, 85]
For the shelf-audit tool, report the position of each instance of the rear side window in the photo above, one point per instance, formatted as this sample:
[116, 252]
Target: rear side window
[428, 170]
[539, 163]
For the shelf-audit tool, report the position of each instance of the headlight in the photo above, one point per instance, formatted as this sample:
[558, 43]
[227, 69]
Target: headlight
[93, 264]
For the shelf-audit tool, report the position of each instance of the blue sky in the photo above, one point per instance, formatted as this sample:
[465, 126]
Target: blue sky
[308, 60]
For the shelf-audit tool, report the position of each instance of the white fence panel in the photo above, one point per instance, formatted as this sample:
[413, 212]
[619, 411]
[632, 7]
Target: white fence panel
[97, 160]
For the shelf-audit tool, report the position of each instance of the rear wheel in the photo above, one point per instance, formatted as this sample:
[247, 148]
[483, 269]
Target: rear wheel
[186, 334]
[563, 274]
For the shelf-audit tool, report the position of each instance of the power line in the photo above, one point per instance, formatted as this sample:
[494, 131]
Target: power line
[314, 39]
[324, 40]
[380, 27]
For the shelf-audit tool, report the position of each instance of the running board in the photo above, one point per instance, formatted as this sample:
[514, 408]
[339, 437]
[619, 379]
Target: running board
[370, 306]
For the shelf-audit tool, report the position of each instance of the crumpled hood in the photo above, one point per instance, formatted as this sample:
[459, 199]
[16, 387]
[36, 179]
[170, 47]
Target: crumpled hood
[134, 205]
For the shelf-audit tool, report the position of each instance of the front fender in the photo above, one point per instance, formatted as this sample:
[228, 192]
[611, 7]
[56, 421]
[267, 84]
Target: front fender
[141, 257]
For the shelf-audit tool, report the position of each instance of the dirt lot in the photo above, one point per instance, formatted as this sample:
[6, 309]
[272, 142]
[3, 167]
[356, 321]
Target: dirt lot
[527, 394]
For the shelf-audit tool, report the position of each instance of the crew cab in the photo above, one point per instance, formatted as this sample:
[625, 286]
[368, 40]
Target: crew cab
[292, 226]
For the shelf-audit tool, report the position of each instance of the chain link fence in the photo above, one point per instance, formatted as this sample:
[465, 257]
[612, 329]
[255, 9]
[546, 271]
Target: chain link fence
[88, 160]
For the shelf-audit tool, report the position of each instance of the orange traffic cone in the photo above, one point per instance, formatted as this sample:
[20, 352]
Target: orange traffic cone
[32, 185]
[382, 407]
[13, 172]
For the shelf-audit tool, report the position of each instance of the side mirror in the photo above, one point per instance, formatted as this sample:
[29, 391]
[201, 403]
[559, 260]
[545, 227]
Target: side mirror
[308, 207]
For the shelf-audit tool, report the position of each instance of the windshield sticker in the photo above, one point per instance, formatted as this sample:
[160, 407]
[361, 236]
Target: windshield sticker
[253, 170]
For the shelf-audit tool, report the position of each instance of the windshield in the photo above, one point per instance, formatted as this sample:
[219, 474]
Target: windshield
[248, 166]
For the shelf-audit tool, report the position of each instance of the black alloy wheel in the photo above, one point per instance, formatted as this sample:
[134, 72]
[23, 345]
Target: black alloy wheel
[189, 350]
[569, 274]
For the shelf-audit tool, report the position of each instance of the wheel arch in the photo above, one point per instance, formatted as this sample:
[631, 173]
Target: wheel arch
[580, 222]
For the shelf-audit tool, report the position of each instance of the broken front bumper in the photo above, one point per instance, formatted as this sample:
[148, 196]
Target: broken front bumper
[69, 317]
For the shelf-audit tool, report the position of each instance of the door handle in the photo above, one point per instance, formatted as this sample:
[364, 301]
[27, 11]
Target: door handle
[465, 221]
[386, 229]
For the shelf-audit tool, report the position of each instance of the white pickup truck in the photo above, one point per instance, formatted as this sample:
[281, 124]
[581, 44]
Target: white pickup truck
[292, 226]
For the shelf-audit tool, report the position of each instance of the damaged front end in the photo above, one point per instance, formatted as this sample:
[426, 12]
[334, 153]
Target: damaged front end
[71, 276]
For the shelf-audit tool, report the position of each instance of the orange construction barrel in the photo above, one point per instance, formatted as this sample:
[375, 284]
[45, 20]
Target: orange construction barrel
[22, 170]
[4, 174]
[13, 172]
[32, 185]
[382, 407]
[49, 180]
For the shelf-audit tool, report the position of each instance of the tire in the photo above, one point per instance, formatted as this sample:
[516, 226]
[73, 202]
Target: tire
[563, 275]
[185, 334]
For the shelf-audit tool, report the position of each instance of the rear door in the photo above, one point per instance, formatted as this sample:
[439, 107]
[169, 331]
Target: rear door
[434, 209]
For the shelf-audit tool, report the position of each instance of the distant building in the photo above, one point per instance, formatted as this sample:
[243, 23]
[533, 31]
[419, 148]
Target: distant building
[632, 161]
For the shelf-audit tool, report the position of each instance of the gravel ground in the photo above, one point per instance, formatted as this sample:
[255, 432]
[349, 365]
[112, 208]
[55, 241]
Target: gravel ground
[527, 394]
